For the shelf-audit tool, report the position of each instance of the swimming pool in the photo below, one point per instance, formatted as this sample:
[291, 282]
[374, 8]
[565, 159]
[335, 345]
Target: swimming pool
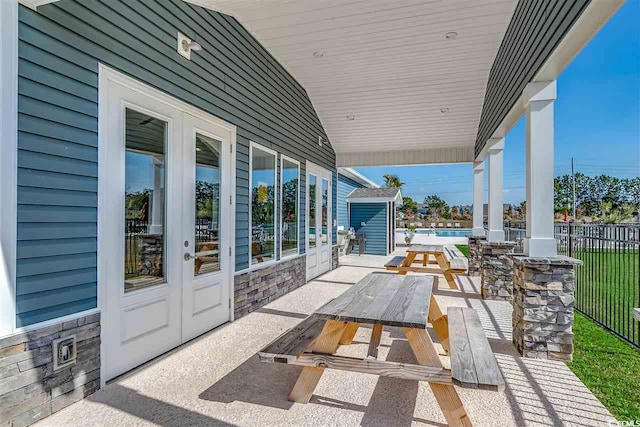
[461, 232]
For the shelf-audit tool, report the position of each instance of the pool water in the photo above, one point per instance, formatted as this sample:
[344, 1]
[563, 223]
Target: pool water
[462, 232]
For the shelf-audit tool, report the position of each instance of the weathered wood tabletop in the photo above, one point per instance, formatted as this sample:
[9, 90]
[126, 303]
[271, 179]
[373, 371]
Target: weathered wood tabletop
[426, 249]
[383, 298]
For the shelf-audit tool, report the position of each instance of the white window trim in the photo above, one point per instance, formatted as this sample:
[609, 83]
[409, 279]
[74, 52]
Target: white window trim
[297, 253]
[252, 145]
[8, 163]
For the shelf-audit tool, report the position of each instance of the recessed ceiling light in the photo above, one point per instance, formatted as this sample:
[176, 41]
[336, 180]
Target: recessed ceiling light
[444, 110]
[351, 117]
[319, 53]
[451, 35]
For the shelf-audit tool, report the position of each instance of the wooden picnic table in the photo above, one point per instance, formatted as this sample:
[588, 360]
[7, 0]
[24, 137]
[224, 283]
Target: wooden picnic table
[383, 299]
[450, 262]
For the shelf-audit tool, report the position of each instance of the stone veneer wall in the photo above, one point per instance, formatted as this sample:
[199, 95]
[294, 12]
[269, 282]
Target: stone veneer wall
[496, 270]
[475, 254]
[543, 303]
[150, 256]
[334, 257]
[29, 388]
[257, 288]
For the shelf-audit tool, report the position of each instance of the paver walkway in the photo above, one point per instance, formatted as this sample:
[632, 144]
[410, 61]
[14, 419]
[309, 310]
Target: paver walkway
[217, 379]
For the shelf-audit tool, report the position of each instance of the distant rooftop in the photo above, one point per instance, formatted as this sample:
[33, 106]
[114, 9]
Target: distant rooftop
[369, 194]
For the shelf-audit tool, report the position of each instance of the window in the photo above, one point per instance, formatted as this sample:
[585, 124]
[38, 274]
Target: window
[207, 205]
[325, 210]
[262, 180]
[311, 232]
[289, 196]
[144, 204]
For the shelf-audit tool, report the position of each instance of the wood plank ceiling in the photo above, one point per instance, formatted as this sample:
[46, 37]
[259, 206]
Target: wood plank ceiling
[385, 76]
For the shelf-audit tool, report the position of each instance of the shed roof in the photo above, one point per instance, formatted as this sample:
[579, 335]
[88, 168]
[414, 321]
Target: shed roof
[384, 194]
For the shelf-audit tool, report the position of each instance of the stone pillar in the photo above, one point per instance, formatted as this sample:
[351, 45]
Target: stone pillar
[478, 199]
[496, 209]
[475, 254]
[543, 301]
[151, 256]
[497, 270]
[539, 98]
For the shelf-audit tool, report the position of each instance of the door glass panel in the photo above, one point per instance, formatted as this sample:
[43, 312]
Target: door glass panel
[207, 224]
[312, 211]
[325, 210]
[144, 251]
[263, 214]
[290, 188]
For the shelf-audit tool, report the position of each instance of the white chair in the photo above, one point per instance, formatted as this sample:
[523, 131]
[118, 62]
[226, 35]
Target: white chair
[433, 225]
[440, 225]
[448, 225]
[457, 225]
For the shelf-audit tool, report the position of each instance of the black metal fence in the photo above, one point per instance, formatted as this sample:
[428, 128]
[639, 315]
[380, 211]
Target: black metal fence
[608, 282]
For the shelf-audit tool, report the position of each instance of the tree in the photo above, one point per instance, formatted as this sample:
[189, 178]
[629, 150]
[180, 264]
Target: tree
[438, 208]
[604, 197]
[522, 210]
[409, 206]
[392, 181]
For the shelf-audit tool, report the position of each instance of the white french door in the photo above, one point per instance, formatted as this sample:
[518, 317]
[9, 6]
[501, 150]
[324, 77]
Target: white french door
[165, 223]
[318, 220]
[205, 277]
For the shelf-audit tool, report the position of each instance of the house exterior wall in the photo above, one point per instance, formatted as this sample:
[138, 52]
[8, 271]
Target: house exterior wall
[61, 45]
[535, 30]
[375, 217]
[345, 186]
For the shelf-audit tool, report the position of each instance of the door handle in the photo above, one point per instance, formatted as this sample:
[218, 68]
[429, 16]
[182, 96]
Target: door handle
[188, 256]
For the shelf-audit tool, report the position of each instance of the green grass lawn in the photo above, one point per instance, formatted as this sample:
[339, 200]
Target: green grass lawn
[464, 249]
[606, 364]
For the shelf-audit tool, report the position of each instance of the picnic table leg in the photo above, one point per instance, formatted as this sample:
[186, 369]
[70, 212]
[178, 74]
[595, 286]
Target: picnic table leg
[374, 343]
[445, 394]
[407, 262]
[444, 266]
[349, 333]
[327, 342]
[440, 323]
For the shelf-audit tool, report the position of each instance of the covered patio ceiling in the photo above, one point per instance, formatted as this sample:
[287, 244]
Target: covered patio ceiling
[394, 82]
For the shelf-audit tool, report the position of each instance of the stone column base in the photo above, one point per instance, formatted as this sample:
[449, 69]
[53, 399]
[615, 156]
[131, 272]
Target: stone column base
[496, 270]
[475, 255]
[543, 304]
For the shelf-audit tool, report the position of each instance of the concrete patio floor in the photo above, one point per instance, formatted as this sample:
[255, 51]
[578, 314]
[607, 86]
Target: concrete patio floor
[217, 379]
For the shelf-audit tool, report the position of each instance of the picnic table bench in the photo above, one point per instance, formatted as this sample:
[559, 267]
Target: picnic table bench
[383, 299]
[450, 261]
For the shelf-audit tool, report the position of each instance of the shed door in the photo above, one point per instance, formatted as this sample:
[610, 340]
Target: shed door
[371, 219]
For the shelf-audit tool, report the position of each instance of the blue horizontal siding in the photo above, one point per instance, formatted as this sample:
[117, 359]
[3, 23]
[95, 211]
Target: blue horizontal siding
[60, 47]
[374, 215]
[345, 186]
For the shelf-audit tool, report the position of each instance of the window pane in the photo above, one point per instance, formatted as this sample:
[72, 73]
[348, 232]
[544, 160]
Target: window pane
[312, 211]
[325, 207]
[290, 177]
[262, 205]
[207, 201]
[144, 201]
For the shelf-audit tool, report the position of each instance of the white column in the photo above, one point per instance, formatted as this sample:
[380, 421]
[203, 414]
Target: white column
[156, 217]
[539, 97]
[496, 216]
[478, 198]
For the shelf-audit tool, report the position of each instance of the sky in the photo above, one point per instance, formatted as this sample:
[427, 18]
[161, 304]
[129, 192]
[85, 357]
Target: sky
[597, 122]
